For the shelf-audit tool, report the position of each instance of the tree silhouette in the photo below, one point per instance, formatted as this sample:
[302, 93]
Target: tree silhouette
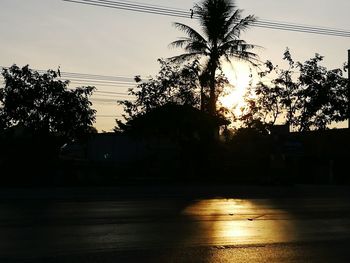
[173, 121]
[263, 102]
[173, 84]
[222, 25]
[43, 104]
[305, 95]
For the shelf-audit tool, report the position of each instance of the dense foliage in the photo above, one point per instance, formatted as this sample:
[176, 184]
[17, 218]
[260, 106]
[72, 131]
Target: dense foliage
[43, 104]
[306, 95]
[173, 84]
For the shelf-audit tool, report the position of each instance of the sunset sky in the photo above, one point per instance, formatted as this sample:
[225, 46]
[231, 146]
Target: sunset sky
[95, 40]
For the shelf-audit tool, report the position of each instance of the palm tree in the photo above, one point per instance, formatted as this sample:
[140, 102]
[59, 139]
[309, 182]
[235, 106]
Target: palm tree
[221, 24]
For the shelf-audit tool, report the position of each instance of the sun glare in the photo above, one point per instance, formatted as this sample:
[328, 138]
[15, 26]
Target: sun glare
[239, 76]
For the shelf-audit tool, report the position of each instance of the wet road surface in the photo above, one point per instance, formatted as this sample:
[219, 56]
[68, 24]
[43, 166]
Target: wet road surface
[176, 230]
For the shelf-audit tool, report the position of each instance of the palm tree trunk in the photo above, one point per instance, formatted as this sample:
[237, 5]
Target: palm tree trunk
[202, 98]
[212, 98]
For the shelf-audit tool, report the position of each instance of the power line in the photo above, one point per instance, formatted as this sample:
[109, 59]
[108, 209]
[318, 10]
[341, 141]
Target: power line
[108, 101]
[168, 11]
[160, 6]
[96, 83]
[142, 10]
[302, 26]
[109, 96]
[97, 77]
[300, 29]
[120, 82]
[95, 98]
[112, 93]
[141, 6]
[90, 78]
[109, 116]
[187, 14]
[98, 93]
[85, 76]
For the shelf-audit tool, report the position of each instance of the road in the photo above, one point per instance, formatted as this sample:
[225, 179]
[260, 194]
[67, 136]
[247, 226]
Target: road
[176, 229]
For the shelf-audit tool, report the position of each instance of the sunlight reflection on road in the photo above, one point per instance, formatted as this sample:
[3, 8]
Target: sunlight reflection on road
[48, 228]
[240, 222]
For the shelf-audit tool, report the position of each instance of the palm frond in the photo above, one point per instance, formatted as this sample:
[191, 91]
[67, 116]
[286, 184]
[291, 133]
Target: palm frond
[250, 57]
[235, 46]
[236, 16]
[197, 47]
[238, 49]
[242, 53]
[189, 31]
[240, 26]
[184, 57]
[179, 43]
[191, 46]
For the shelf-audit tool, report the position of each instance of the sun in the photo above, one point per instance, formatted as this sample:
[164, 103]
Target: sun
[240, 77]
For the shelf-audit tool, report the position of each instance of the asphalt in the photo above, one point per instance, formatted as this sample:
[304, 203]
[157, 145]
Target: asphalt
[297, 224]
[191, 190]
[336, 252]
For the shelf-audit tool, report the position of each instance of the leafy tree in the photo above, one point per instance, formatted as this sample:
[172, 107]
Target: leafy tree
[306, 95]
[221, 24]
[323, 96]
[43, 103]
[263, 103]
[174, 84]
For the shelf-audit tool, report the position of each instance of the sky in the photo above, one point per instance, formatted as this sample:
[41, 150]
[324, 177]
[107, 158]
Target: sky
[49, 33]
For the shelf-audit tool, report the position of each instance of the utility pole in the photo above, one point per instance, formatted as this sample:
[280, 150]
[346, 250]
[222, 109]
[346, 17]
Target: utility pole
[349, 89]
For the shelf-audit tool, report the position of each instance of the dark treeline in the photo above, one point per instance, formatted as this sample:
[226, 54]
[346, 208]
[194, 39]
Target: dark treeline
[184, 156]
[174, 132]
[38, 114]
[165, 139]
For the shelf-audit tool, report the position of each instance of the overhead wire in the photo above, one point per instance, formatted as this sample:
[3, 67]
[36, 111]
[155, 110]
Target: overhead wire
[98, 83]
[87, 79]
[86, 76]
[109, 116]
[302, 26]
[114, 93]
[148, 4]
[142, 10]
[103, 80]
[168, 11]
[142, 6]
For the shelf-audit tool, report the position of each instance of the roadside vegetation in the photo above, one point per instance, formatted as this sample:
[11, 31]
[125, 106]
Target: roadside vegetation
[175, 124]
